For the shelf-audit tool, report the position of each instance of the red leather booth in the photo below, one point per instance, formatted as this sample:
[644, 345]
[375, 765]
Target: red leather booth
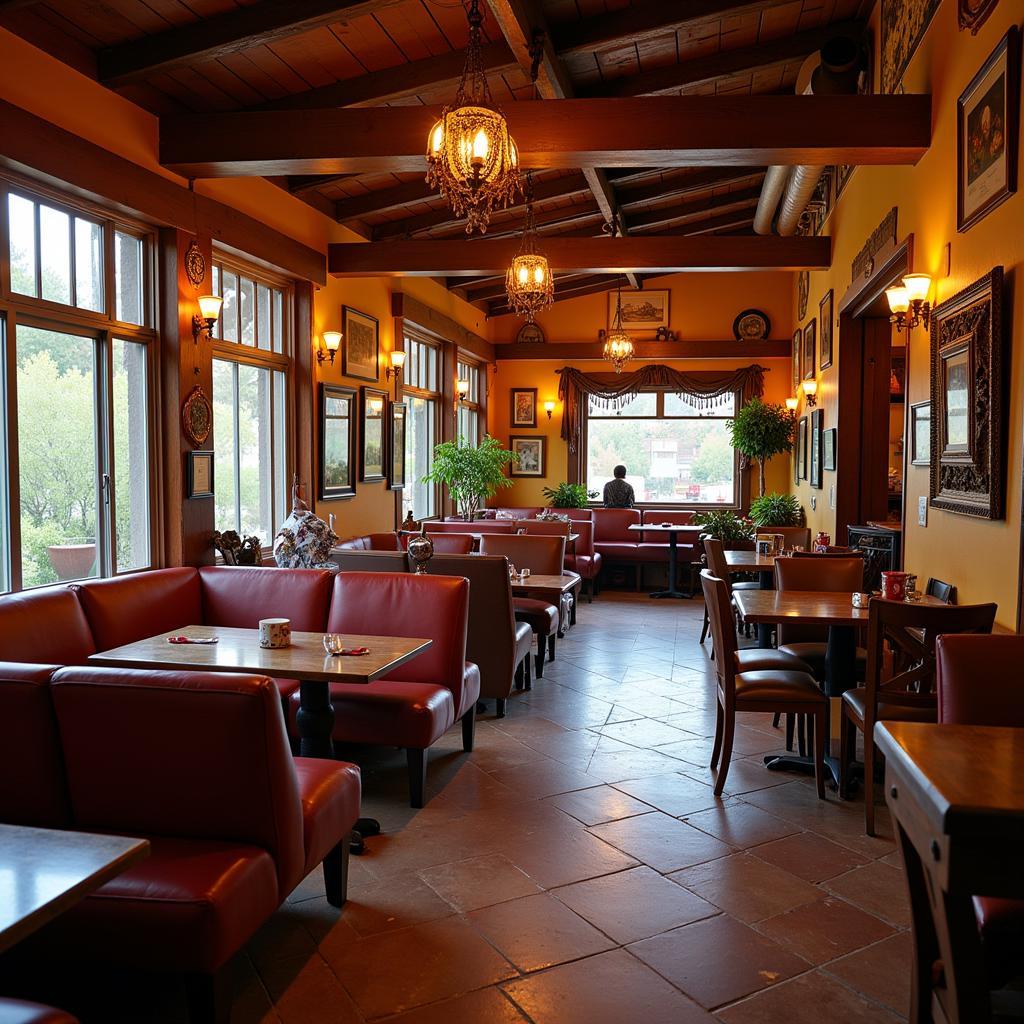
[371, 542]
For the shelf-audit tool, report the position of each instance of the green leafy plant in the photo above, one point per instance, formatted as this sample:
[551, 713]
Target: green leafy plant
[569, 495]
[471, 473]
[728, 527]
[760, 431]
[776, 509]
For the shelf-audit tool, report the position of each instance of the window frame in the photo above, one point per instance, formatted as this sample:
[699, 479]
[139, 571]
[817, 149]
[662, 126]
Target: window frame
[739, 477]
[18, 309]
[475, 400]
[418, 336]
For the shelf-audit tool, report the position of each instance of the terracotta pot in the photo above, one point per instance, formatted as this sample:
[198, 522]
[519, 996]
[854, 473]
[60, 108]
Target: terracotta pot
[72, 561]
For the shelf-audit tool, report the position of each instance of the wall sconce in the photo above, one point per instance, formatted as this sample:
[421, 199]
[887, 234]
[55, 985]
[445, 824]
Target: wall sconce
[330, 342]
[810, 393]
[549, 407]
[395, 369]
[461, 388]
[908, 302]
[206, 318]
[792, 403]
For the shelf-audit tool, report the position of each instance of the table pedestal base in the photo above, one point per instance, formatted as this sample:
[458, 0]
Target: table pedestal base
[804, 765]
[364, 827]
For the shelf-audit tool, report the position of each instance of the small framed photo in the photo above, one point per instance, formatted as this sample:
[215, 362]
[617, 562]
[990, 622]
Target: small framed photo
[532, 452]
[523, 412]
[810, 333]
[396, 464]
[829, 447]
[800, 471]
[988, 120]
[817, 423]
[337, 473]
[798, 355]
[374, 415]
[921, 434]
[825, 321]
[644, 309]
[360, 347]
[200, 474]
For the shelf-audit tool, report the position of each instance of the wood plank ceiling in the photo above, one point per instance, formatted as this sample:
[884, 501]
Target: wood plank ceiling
[187, 56]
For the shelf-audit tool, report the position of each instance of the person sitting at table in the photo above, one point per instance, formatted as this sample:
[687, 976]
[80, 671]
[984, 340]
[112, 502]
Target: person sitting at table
[617, 493]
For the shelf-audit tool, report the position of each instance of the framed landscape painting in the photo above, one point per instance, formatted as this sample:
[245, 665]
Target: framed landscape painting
[337, 442]
[642, 310]
[532, 452]
[360, 346]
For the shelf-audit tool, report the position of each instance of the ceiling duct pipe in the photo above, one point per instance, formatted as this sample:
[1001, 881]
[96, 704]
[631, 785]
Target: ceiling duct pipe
[834, 71]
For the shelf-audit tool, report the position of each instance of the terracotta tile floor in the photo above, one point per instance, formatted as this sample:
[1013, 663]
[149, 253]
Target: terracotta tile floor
[577, 867]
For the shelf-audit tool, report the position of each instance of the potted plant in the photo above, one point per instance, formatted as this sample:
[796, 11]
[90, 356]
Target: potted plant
[471, 473]
[569, 495]
[776, 509]
[762, 430]
[733, 531]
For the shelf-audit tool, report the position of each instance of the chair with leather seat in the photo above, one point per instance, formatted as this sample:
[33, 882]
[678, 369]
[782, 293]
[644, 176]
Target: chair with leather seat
[909, 693]
[793, 536]
[542, 528]
[994, 697]
[755, 689]
[583, 559]
[497, 644]
[17, 1011]
[714, 550]
[414, 705]
[370, 561]
[449, 543]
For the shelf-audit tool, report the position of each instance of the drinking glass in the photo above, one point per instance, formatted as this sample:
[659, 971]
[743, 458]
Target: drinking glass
[333, 643]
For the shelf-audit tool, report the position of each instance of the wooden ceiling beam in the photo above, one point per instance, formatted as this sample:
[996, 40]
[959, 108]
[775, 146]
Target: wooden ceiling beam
[662, 131]
[698, 70]
[660, 254]
[694, 208]
[732, 220]
[699, 181]
[266, 21]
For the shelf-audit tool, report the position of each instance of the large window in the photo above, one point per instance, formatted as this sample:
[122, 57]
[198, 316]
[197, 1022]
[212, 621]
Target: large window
[470, 409]
[75, 321]
[252, 357]
[422, 394]
[673, 451]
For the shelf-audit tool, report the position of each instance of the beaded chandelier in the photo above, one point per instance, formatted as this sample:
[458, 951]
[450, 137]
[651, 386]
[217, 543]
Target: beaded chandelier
[618, 345]
[471, 158]
[528, 283]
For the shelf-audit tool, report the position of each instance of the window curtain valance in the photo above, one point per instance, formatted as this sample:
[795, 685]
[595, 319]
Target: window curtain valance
[705, 388]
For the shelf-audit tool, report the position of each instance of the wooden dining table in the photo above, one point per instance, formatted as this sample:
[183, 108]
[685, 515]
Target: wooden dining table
[956, 795]
[548, 587]
[672, 531]
[739, 562]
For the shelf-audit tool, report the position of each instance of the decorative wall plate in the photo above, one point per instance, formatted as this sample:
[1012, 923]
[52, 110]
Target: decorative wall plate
[530, 334]
[197, 416]
[195, 264]
[751, 325]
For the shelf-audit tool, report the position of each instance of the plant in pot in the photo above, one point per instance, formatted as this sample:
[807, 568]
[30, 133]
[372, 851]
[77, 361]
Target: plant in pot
[471, 473]
[760, 431]
[569, 495]
[733, 531]
[776, 509]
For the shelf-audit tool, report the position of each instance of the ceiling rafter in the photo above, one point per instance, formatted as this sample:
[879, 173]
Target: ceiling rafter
[694, 208]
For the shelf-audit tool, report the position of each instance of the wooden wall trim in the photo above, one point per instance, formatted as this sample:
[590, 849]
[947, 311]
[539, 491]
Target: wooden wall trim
[304, 389]
[36, 147]
[430, 319]
[572, 351]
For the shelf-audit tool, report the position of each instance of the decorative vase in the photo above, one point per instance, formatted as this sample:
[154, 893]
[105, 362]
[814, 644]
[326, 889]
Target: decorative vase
[421, 550]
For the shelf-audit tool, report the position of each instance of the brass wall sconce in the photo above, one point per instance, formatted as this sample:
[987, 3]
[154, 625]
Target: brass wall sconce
[206, 319]
[810, 393]
[461, 391]
[330, 342]
[395, 369]
[791, 404]
[549, 407]
[909, 304]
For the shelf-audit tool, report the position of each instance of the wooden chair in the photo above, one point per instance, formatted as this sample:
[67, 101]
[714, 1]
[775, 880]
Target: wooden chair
[786, 690]
[944, 592]
[714, 551]
[794, 534]
[909, 694]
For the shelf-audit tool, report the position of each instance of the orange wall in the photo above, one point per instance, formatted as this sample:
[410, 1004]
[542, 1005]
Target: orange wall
[540, 374]
[981, 558]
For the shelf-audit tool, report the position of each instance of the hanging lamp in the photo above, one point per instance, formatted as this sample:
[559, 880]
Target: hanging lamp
[471, 158]
[528, 283]
[618, 345]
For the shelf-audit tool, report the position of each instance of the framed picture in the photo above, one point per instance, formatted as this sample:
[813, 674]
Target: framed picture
[904, 23]
[817, 423]
[967, 400]
[396, 447]
[800, 472]
[532, 452]
[828, 444]
[810, 337]
[988, 123]
[898, 375]
[825, 320]
[200, 474]
[921, 434]
[360, 347]
[337, 442]
[523, 412]
[374, 413]
[644, 309]
[798, 355]
[973, 14]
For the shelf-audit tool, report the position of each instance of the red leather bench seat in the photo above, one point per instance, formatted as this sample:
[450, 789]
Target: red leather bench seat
[45, 626]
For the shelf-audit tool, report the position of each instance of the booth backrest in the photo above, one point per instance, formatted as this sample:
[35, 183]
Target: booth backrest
[233, 776]
[370, 561]
[526, 512]
[541, 555]
[579, 514]
[584, 530]
[129, 608]
[979, 680]
[477, 526]
[371, 542]
[611, 525]
[241, 596]
[543, 528]
[46, 626]
[32, 787]
[445, 542]
[431, 607]
[491, 641]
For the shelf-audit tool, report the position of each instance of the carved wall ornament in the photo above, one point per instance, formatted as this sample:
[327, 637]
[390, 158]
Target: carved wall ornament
[803, 291]
[967, 407]
[195, 264]
[197, 416]
[885, 234]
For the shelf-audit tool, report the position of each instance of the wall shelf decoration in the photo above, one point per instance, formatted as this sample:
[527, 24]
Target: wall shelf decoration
[967, 410]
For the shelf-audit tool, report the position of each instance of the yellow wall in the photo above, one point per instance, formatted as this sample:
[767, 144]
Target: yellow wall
[979, 557]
